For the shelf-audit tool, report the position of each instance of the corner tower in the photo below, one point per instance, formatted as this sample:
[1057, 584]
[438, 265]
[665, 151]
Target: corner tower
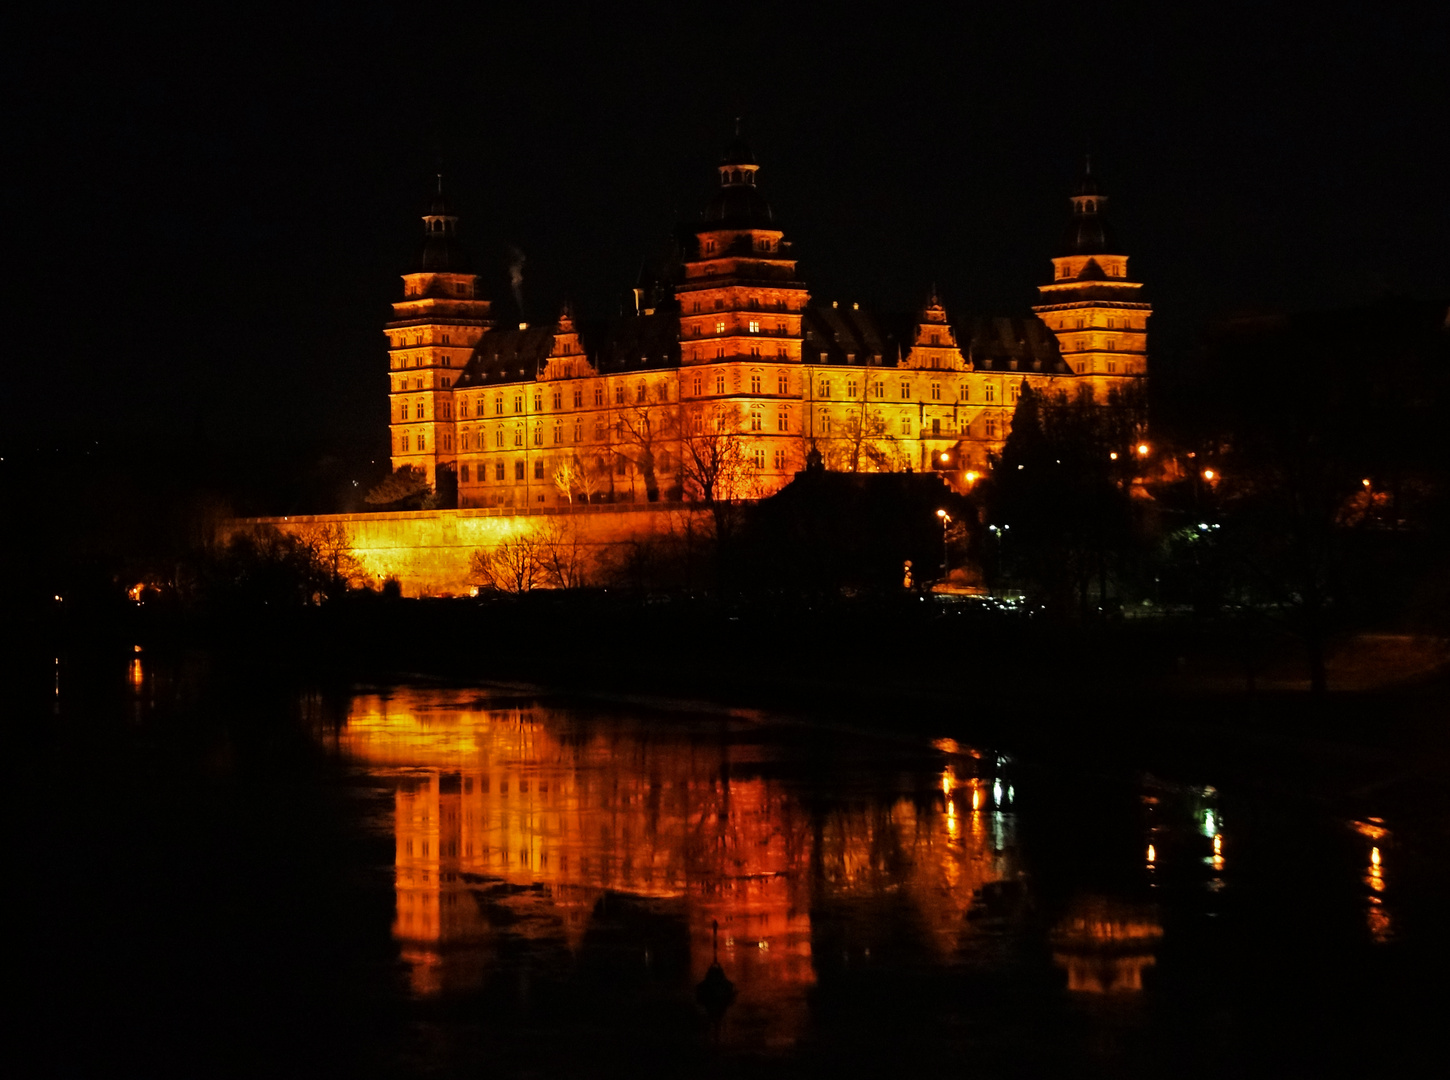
[1094, 309]
[430, 338]
[741, 303]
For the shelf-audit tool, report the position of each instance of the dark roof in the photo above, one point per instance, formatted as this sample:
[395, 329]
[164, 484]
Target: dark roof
[996, 341]
[634, 343]
[638, 343]
[739, 206]
[442, 253]
[846, 335]
[843, 335]
[1088, 234]
[503, 356]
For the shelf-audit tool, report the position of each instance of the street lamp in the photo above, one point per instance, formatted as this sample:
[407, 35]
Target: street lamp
[946, 519]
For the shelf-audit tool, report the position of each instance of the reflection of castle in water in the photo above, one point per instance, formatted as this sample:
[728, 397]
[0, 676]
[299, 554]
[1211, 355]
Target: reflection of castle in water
[507, 819]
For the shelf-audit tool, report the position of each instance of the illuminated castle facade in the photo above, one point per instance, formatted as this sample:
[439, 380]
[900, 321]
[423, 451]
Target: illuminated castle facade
[727, 378]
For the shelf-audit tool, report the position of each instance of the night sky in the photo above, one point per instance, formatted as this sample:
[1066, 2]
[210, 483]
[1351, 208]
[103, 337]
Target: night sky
[207, 210]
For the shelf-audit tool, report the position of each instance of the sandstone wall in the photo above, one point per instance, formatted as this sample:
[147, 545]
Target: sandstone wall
[428, 551]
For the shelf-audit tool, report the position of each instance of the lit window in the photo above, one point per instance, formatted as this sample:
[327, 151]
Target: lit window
[755, 326]
[719, 326]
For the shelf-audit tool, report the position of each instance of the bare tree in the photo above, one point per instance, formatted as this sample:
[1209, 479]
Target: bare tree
[566, 562]
[645, 428]
[330, 547]
[567, 477]
[514, 566]
[713, 460]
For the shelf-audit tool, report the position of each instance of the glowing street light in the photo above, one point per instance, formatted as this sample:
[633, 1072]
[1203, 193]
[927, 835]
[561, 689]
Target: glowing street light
[1142, 449]
[946, 519]
[1209, 474]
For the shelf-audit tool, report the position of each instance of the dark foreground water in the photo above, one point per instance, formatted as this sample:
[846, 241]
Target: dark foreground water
[223, 873]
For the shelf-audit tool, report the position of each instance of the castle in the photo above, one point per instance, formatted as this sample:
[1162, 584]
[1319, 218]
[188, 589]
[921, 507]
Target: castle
[726, 380]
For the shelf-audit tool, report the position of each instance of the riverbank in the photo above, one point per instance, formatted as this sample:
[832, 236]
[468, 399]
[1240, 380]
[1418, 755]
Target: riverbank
[1213, 700]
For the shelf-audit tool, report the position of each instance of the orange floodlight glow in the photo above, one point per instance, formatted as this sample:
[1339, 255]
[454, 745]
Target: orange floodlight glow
[1209, 474]
[1142, 449]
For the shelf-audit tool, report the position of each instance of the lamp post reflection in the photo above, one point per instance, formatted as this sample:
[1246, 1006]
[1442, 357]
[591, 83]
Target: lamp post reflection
[1377, 915]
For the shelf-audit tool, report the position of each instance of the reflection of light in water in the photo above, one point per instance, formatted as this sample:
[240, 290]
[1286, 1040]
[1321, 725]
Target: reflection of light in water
[1152, 854]
[976, 797]
[1377, 915]
[997, 792]
[1210, 825]
[1218, 851]
[493, 810]
[1105, 946]
[136, 676]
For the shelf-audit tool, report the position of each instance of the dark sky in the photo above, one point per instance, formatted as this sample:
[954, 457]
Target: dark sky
[207, 210]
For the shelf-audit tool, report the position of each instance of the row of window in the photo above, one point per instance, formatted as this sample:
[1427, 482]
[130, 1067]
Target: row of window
[754, 304]
[825, 389]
